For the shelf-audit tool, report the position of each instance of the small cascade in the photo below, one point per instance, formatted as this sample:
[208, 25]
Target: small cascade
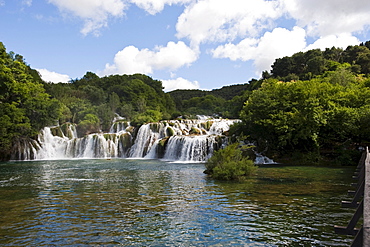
[51, 146]
[191, 148]
[144, 141]
[119, 126]
[173, 140]
[220, 126]
[263, 160]
[25, 150]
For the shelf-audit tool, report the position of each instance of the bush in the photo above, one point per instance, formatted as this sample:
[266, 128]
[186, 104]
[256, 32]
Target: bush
[229, 164]
[90, 124]
[149, 116]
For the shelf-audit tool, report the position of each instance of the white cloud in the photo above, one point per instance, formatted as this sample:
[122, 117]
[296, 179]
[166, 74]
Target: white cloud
[263, 51]
[328, 17]
[54, 77]
[131, 60]
[155, 6]
[241, 29]
[341, 41]
[179, 83]
[27, 2]
[220, 21]
[94, 13]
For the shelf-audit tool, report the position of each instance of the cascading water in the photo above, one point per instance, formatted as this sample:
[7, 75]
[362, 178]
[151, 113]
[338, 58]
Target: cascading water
[61, 142]
[180, 140]
[174, 140]
[190, 148]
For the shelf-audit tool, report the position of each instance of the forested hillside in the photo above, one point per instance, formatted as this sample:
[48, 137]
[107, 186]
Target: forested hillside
[315, 104]
[92, 102]
[25, 107]
[224, 102]
[307, 65]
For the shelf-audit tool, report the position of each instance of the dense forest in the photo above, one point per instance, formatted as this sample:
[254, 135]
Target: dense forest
[313, 104]
[25, 107]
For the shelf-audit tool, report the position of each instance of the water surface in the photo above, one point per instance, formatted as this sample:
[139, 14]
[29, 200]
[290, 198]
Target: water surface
[154, 203]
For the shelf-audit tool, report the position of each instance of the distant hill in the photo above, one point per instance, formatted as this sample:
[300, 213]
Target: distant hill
[226, 92]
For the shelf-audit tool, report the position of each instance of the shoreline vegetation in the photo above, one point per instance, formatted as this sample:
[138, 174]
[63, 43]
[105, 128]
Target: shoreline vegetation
[230, 164]
[311, 108]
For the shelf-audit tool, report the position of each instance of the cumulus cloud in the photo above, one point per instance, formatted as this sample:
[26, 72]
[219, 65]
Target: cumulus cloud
[131, 60]
[323, 18]
[155, 6]
[217, 21]
[239, 29]
[342, 41]
[220, 21]
[179, 83]
[95, 14]
[263, 51]
[276, 44]
[54, 77]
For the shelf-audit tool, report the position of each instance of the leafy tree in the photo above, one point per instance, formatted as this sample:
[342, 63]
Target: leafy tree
[114, 102]
[127, 111]
[229, 164]
[90, 124]
[105, 116]
[141, 105]
[95, 95]
[308, 116]
[334, 54]
[25, 107]
[146, 117]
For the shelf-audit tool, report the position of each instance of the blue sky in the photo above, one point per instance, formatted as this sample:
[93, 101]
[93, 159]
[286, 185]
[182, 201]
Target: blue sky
[192, 44]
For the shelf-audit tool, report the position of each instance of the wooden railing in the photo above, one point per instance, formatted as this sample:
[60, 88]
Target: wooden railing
[360, 201]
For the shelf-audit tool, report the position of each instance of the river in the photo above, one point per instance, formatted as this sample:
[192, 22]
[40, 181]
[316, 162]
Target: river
[131, 202]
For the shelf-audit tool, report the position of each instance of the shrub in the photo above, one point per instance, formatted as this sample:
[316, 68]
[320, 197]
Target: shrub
[147, 117]
[229, 164]
[90, 124]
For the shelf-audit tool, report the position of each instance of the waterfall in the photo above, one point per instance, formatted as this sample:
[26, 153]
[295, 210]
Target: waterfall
[173, 140]
[61, 142]
[263, 160]
[190, 148]
[51, 146]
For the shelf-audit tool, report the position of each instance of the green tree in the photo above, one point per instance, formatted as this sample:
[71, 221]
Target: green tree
[229, 164]
[114, 102]
[25, 107]
[148, 116]
[90, 124]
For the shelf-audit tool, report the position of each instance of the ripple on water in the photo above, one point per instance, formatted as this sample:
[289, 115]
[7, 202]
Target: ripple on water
[141, 202]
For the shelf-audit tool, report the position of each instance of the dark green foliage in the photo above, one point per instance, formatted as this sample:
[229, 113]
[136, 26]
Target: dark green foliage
[229, 164]
[137, 97]
[315, 103]
[225, 102]
[307, 65]
[149, 116]
[90, 124]
[25, 107]
[308, 116]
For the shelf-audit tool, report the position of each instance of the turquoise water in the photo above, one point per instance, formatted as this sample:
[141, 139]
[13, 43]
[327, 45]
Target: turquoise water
[153, 203]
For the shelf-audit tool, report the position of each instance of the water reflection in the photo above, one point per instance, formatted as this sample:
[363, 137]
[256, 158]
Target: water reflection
[149, 202]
